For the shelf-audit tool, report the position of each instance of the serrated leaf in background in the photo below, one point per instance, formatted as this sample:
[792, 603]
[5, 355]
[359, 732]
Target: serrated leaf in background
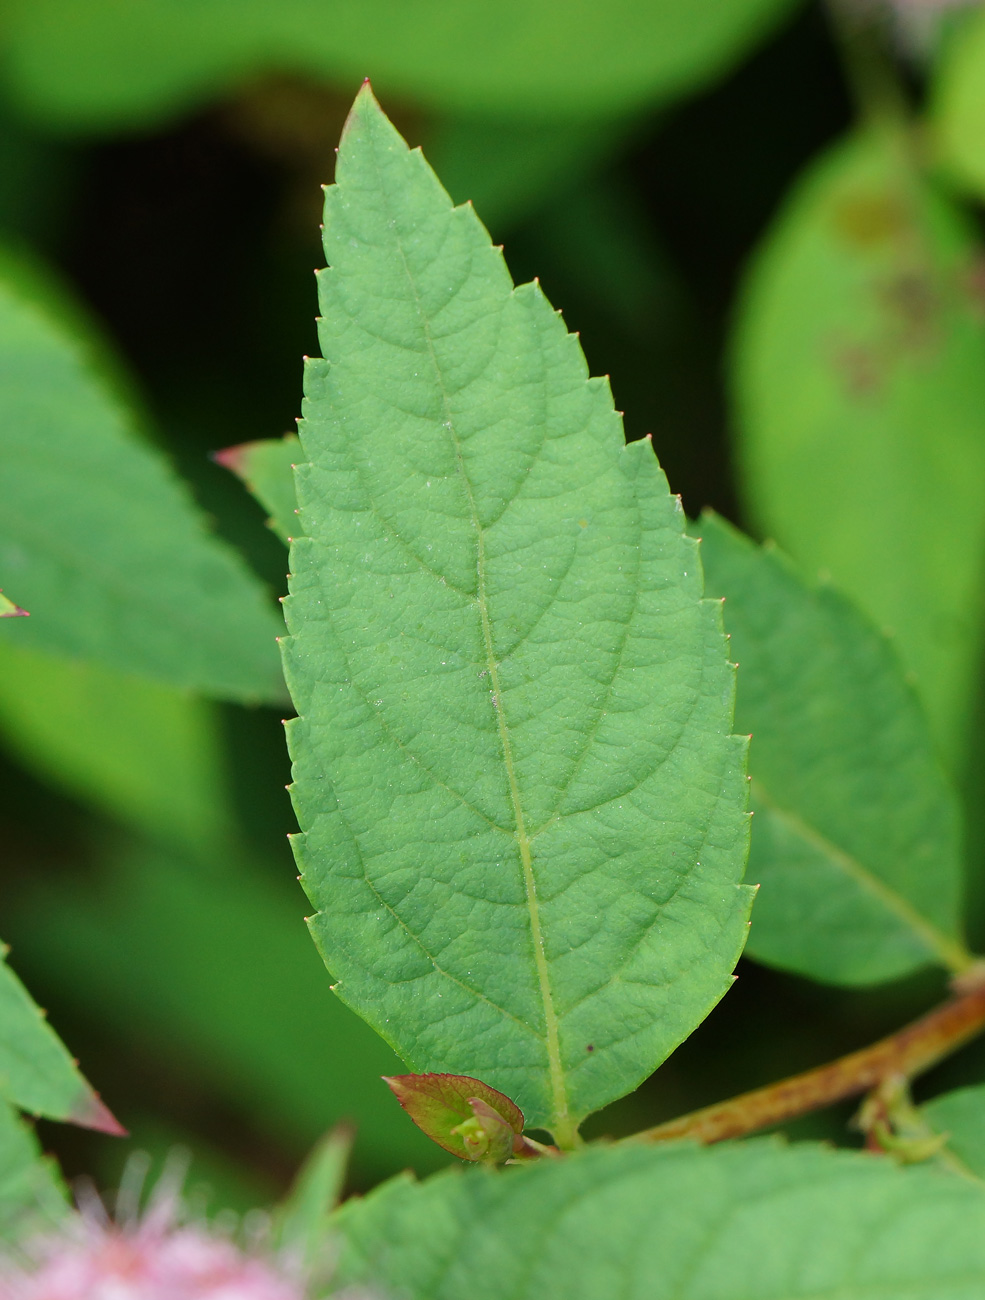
[859, 377]
[266, 468]
[36, 1072]
[32, 1198]
[960, 1115]
[142, 752]
[98, 64]
[101, 540]
[522, 810]
[215, 970]
[744, 1221]
[856, 831]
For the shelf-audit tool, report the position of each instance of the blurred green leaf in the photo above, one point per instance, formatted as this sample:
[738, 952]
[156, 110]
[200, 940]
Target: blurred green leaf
[855, 839]
[860, 387]
[101, 64]
[514, 703]
[36, 1071]
[957, 104]
[302, 1221]
[506, 168]
[9, 610]
[961, 1116]
[142, 752]
[744, 1221]
[266, 468]
[216, 972]
[32, 1197]
[99, 537]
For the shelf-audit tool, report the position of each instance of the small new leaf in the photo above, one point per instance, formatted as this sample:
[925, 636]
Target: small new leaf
[463, 1115]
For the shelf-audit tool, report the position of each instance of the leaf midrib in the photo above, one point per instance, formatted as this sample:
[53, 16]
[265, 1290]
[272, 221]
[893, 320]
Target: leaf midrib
[951, 953]
[562, 1128]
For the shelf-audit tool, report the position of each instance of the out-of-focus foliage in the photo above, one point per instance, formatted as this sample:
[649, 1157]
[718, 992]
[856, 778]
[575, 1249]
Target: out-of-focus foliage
[957, 118]
[857, 848]
[859, 376]
[111, 63]
[100, 538]
[143, 752]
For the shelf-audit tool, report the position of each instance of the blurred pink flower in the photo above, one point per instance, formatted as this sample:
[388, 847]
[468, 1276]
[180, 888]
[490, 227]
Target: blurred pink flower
[155, 1256]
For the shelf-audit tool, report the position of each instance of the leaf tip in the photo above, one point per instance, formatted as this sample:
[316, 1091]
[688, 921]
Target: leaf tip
[232, 458]
[91, 1112]
[9, 610]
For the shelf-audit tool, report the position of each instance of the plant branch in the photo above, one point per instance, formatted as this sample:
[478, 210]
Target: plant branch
[905, 1054]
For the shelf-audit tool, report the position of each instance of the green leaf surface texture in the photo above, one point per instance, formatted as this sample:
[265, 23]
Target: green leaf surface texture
[957, 104]
[855, 833]
[960, 1115]
[860, 381]
[32, 1197]
[36, 1071]
[746, 1221]
[523, 809]
[97, 64]
[99, 538]
[144, 753]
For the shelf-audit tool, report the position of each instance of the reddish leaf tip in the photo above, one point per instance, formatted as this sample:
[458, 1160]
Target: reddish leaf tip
[232, 458]
[92, 1112]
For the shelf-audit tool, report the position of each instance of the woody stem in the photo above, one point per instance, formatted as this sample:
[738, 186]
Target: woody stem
[905, 1054]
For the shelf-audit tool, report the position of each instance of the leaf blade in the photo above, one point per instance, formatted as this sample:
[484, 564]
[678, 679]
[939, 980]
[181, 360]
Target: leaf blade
[100, 537]
[859, 359]
[749, 1221]
[36, 1071]
[856, 832]
[503, 519]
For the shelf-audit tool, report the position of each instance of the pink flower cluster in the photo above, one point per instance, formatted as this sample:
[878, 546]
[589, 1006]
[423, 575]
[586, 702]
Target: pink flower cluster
[150, 1258]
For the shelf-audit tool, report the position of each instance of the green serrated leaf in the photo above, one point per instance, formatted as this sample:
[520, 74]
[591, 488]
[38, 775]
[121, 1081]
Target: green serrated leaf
[960, 1117]
[856, 832]
[36, 1072]
[266, 467]
[522, 810]
[145, 753]
[32, 1196]
[750, 1221]
[860, 383]
[108, 63]
[99, 538]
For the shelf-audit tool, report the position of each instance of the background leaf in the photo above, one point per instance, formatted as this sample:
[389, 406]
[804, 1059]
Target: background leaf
[36, 1072]
[143, 752]
[100, 539]
[514, 703]
[860, 389]
[217, 965]
[108, 62]
[32, 1197]
[961, 1116]
[748, 1221]
[957, 106]
[856, 832]
[266, 468]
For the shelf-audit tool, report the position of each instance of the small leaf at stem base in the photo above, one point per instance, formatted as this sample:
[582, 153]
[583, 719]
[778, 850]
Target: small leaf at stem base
[463, 1115]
